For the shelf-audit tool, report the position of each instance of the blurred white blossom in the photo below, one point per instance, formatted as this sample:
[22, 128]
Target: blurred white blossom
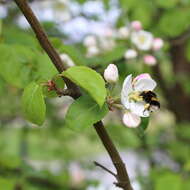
[67, 60]
[106, 43]
[130, 54]
[92, 51]
[77, 174]
[142, 39]
[123, 32]
[90, 40]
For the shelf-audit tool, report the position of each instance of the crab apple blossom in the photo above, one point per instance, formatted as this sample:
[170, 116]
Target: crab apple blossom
[67, 60]
[92, 51]
[123, 32]
[131, 120]
[131, 90]
[90, 40]
[157, 44]
[111, 73]
[136, 25]
[149, 60]
[130, 54]
[142, 39]
[106, 43]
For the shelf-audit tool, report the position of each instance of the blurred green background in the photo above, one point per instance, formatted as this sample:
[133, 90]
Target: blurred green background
[55, 157]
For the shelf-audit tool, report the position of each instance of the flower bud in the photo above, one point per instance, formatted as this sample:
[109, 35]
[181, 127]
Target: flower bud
[157, 44]
[130, 54]
[136, 25]
[131, 120]
[149, 60]
[111, 73]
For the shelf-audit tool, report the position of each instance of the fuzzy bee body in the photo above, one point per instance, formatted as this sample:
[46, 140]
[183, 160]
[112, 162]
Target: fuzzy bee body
[151, 100]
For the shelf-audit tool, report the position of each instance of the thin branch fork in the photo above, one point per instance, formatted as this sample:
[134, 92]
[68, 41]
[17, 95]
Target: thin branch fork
[123, 180]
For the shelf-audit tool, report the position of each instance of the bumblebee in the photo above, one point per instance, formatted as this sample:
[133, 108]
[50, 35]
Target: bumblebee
[152, 103]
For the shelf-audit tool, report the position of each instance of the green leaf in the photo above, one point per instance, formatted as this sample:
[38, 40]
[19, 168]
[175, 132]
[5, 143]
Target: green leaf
[167, 4]
[45, 69]
[110, 56]
[143, 126]
[0, 26]
[89, 80]
[21, 37]
[187, 52]
[7, 184]
[73, 53]
[144, 123]
[83, 113]
[173, 27]
[14, 59]
[168, 181]
[33, 104]
[21, 64]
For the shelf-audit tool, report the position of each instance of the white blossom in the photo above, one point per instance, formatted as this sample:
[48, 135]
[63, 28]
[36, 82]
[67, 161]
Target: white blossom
[131, 120]
[142, 39]
[111, 73]
[130, 54]
[67, 60]
[92, 51]
[90, 40]
[123, 32]
[130, 94]
[106, 43]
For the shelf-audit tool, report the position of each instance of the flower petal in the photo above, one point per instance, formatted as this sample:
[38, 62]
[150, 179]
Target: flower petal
[138, 109]
[127, 88]
[144, 84]
[131, 120]
[142, 76]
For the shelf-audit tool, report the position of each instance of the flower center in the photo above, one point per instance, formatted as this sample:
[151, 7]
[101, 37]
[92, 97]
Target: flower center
[142, 39]
[135, 96]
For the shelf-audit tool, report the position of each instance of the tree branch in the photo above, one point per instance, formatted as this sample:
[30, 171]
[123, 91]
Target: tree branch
[104, 168]
[122, 175]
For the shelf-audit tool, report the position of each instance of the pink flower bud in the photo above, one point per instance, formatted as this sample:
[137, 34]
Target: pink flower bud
[136, 25]
[149, 60]
[157, 44]
[111, 73]
[131, 120]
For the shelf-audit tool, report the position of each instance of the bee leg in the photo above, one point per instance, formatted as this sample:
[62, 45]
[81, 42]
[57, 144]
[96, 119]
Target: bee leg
[146, 107]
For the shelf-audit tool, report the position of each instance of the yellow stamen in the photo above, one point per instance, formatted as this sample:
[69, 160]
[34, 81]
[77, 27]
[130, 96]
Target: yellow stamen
[135, 96]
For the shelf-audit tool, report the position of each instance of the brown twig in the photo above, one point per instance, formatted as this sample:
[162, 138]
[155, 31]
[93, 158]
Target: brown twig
[122, 175]
[104, 168]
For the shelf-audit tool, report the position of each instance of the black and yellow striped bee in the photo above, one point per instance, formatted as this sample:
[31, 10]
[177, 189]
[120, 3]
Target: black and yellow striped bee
[152, 103]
